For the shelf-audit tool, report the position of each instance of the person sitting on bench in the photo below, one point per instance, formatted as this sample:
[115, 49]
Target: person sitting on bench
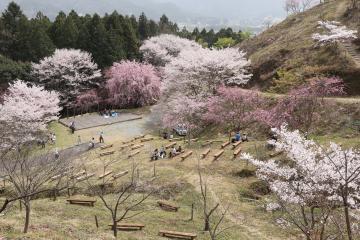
[244, 138]
[173, 153]
[179, 150]
[162, 153]
[92, 143]
[155, 155]
[237, 137]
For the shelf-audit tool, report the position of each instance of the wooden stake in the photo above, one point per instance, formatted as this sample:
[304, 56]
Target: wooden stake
[192, 212]
[96, 222]
[154, 170]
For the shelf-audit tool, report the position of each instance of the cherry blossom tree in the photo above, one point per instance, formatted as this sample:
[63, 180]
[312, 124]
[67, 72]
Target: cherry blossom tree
[132, 84]
[185, 111]
[24, 112]
[160, 50]
[68, 71]
[201, 72]
[233, 108]
[87, 99]
[302, 106]
[334, 32]
[315, 180]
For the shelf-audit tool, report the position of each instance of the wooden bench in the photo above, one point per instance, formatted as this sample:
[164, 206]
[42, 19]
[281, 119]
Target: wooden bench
[186, 155]
[126, 146]
[225, 144]
[192, 140]
[139, 137]
[106, 146]
[147, 139]
[168, 206]
[205, 153]
[207, 143]
[218, 154]
[275, 154]
[237, 152]
[178, 235]
[133, 154]
[105, 174]
[82, 202]
[107, 153]
[235, 145]
[79, 174]
[118, 175]
[170, 145]
[175, 139]
[128, 141]
[83, 178]
[137, 146]
[128, 226]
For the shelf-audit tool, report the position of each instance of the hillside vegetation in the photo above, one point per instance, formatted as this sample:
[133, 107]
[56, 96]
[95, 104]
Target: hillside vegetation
[287, 50]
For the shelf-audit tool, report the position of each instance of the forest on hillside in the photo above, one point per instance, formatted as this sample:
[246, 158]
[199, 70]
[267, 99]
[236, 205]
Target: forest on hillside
[109, 38]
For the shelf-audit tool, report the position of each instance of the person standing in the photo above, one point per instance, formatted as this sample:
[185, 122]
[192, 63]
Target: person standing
[56, 153]
[101, 138]
[78, 140]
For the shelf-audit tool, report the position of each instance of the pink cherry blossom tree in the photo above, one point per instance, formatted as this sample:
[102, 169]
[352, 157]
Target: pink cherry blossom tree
[132, 84]
[334, 32]
[233, 108]
[314, 181]
[24, 112]
[160, 50]
[68, 71]
[87, 100]
[201, 72]
[302, 106]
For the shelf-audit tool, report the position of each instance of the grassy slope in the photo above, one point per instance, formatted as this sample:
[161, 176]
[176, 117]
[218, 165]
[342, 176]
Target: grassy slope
[288, 45]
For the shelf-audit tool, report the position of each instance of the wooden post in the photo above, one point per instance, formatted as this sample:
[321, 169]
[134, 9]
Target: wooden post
[154, 170]
[96, 222]
[20, 205]
[192, 212]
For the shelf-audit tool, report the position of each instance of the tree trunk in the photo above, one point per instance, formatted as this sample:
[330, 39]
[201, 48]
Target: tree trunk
[347, 218]
[27, 216]
[207, 224]
[114, 228]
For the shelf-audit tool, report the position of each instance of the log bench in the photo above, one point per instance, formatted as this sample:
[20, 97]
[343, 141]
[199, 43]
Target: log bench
[168, 206]
[192, 140]
[207, 143]
[235, 145]
[178, 235]
[275, 154]
[225, 144]
[237, 152]
[106, 146]
[83, 178]
[79, 174]
[170, 145]
[126, 146]
[175, 139]
[107, 153]
[147, 139]
[218, 154]
[133, 154]
[128, 226]
[118, 175]
[186, 155]
[139, 137]
[105, 174]
[137, 146]
[205, 153]
[82, 202]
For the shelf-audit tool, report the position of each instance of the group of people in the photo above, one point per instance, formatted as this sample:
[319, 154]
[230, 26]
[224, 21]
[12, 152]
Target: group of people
[92, 141]
[108, 113]
[161, 154]
[238, 137]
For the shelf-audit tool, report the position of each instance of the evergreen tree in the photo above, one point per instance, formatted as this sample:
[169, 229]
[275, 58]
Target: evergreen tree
[116, 36]
[64, 31]
[153, 28]
[144, 29]
[99, 44]
[131, 41]
[134, 25]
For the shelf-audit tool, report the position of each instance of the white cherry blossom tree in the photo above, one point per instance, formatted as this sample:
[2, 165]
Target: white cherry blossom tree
[334, 32]
[315, 180]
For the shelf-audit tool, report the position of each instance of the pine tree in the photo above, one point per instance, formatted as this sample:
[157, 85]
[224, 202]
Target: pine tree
[116, 36]
[131, 41]
[144, 31]
[153, 28]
